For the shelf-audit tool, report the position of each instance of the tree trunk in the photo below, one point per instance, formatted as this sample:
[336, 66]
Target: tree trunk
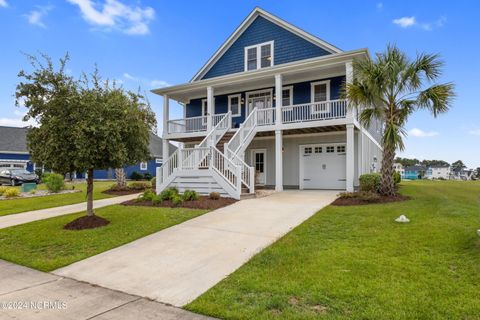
[121, 179]
[388, 184]
[90, 193]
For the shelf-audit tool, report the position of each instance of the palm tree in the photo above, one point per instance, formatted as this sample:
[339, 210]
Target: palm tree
[391, 88]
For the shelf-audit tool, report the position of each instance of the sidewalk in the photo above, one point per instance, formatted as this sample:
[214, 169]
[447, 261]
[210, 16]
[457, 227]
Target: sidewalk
[25, 217]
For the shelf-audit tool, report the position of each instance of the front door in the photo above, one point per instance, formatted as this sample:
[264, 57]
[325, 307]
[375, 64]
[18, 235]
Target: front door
[261, 100]
[259, 158]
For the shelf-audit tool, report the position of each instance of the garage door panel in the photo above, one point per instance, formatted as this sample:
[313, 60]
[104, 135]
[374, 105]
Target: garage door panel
[324, 166]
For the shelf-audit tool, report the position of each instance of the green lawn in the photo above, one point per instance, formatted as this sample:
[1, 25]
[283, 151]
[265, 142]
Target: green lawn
[37, 203]
[45, 245]
[357, 263]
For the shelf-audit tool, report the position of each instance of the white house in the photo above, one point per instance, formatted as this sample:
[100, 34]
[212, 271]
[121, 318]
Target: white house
[438, 172]
[398, 167]
[266, 110]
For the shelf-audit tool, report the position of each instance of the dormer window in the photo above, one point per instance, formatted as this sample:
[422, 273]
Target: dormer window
[259, 56]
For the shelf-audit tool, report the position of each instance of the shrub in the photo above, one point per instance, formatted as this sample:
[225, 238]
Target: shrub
[147, 176]
[148, 195]
[140, 185]
[190, 195]
[154, 182]
[168, 194]
[136, 176]
[214, 195]
[39, 173]
[2, 190]
[397, 178]
[367, 196]
[11, 192]
[54, 182]
[370, 182]
[176, 200]
[33, 191]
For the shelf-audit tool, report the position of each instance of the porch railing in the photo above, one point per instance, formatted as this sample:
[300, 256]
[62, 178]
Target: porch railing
[332, 109]
[188, 125]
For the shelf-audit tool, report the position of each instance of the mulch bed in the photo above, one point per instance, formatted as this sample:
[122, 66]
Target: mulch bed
[359, 201]
[202, 203]
[86, 222]
[122, 192]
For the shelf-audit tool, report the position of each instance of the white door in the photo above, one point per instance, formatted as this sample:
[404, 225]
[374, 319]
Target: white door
[261, 100]
[259, 159]
[323, 166]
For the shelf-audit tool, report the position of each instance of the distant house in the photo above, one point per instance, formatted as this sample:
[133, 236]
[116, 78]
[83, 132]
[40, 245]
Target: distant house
[398, 167]
[414, 172]
[14, 154]
[462, 174]
[438, 172]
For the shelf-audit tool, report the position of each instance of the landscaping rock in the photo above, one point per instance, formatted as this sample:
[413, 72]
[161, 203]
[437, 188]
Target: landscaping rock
[402, 219]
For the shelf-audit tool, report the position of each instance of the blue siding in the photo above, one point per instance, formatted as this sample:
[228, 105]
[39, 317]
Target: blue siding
[288, 47]
[110, 173]
[18, 156]
[301, 94]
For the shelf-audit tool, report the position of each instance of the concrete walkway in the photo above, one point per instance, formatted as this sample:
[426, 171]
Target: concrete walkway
[31, 294]
[178, 264]
[25, 217]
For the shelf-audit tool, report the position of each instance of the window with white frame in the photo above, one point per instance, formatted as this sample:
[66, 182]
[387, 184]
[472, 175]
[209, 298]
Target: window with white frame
[204, 111]
[287, 96]
[143, 166]
[320, 95]
[158, 160]
[234, 106]
[259, 56]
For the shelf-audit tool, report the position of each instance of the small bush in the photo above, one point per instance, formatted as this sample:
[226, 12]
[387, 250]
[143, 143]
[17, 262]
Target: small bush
[11, 192]
[168, 194]
[176, 200]
[214, 195]
[397, 178]
[190, 195]
[136, 176]
[140, 185]
[33, 191]
[54, 182]
[370, 182]
[367, 196]
[148, 195]
[154, 182]
[147, 176]
[2, 190]
[39, 173]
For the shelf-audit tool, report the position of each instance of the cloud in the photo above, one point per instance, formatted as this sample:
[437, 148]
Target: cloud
[475, 132]
[415, 132]
[115, 15]
[146, 82]
[17, 121]
[3, 3]
[36, 16]
[405, 22]
[159, 84]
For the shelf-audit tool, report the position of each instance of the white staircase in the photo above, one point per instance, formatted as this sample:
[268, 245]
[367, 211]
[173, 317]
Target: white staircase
[206, 169]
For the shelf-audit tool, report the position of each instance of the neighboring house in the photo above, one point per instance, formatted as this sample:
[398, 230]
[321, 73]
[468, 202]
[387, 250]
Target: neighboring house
[13, 149]
[398, 167]
[438, 172]
[414, 172]
[266, 110]
[462, 174]
[14, 154]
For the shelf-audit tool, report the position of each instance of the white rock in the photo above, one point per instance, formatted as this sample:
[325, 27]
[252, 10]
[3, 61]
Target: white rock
[402, 219]
[478, 232]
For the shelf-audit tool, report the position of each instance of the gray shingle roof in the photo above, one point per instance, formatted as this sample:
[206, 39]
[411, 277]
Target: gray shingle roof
[156, 147]
[13, 139]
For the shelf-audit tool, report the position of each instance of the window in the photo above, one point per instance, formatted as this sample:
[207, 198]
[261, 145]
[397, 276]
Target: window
[320, 92]
[308, 150]
[318, 149]
[234, 105]
[204, 112]
[330, 149]
[143, 166]
[287, 97]
[158, 160]
[340, 149]
[259, 56]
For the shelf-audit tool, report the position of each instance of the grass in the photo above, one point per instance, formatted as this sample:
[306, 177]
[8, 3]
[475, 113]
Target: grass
[37, 203]
[46, 246]
[357, 263]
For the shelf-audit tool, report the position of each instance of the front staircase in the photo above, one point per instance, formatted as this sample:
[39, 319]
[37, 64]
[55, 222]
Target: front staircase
[214, 165]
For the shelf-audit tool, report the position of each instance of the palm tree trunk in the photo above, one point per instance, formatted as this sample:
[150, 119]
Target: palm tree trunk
[121, 179]
[90, 193]
[387, 183]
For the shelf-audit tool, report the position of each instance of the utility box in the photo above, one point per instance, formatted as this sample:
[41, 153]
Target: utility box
[26, 187]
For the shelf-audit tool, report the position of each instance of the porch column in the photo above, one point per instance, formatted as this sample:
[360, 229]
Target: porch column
[166, 111]
[278, 160]
[209, 108]
[278, 100]
[350, 156]
[351, 114]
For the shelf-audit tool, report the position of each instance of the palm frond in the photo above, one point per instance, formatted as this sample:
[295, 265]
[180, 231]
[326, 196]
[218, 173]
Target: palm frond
[437, 98]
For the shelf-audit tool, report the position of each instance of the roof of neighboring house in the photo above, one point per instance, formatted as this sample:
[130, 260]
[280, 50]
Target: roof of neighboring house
[415, 168]
[13, 139]
[156, 146]
[440, 166]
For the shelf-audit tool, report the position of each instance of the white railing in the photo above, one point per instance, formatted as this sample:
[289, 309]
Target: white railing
[222, 124]
[243, 132]
[247, 172]
[226, 168]
[326, 110]
[187, 125]
[194, 158]
[265, 116]
[168, 167]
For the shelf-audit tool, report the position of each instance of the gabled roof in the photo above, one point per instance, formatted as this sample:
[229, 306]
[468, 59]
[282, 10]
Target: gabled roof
[156, 146]
[13, 139]
[246, 23]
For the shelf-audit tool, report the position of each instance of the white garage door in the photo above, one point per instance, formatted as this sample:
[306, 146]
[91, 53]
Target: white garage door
[323, 166]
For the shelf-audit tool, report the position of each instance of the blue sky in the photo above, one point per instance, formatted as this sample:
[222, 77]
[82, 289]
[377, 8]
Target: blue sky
[157, 43]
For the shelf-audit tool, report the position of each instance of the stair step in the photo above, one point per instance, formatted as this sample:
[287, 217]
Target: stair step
[245, 196]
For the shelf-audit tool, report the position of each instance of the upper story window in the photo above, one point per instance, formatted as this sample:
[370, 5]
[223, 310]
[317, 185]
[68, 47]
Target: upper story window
[234, 105]
[259, 56]
[287, 97]
[320, 92]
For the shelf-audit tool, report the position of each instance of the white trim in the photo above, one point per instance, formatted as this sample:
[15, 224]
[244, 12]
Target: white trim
[249, 93]
[158, 160]
[204, 111]
[246, 23]
[258, 48]
[239, 97]
[252, 156]
[312, 96]
[143, 166]
[14, 152]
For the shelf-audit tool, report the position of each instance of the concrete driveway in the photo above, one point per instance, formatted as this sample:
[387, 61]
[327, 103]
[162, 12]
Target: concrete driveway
[178, 264]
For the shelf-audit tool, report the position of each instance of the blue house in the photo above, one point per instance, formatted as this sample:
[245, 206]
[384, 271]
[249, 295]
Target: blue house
[266, 110]
[414, 172]
[14, 154]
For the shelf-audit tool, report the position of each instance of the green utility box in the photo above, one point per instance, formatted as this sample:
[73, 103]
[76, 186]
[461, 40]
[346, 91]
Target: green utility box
[26, 187]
